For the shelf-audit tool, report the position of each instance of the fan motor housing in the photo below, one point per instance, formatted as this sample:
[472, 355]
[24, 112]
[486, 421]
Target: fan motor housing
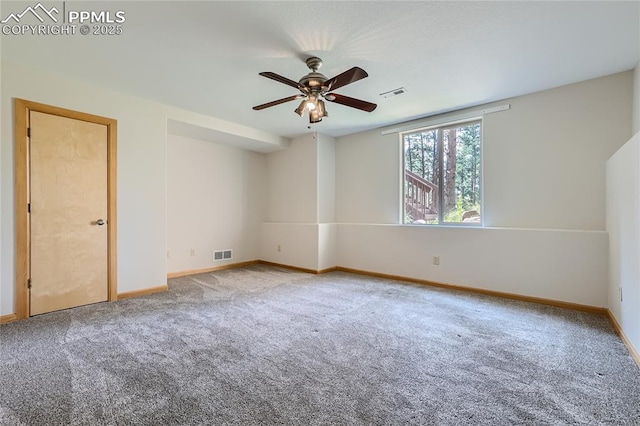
[313, 79]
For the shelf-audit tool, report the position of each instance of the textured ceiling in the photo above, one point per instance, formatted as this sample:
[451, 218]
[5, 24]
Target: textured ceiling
[205, 56]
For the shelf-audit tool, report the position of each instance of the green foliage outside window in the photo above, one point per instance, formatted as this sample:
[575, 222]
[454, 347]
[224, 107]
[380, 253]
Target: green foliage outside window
[447, 162]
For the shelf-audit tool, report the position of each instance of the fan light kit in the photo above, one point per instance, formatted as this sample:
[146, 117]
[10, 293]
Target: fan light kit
[314, 90]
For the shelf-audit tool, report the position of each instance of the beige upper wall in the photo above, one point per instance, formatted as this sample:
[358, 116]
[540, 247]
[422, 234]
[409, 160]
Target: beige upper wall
[292, 193]
[326, 178]
[543, 160]
[367, 178]
[301, 181]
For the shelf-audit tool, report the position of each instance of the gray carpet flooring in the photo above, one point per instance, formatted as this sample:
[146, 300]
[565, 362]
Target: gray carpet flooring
[265, 346]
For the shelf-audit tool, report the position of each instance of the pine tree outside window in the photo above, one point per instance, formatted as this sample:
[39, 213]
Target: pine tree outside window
[442, 174]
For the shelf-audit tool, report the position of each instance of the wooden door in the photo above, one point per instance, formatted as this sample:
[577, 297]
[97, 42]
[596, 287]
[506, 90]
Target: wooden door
[68, 212]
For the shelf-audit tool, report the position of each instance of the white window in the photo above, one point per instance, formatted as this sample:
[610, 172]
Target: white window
[442, 175]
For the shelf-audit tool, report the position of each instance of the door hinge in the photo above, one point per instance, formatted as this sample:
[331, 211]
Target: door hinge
[28, 132]
[29, 283]
[28, 207]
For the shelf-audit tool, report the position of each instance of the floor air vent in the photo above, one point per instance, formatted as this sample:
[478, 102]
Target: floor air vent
[223, 255]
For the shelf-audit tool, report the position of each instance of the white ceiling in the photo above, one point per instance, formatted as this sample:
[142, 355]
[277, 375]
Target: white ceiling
[205, 56]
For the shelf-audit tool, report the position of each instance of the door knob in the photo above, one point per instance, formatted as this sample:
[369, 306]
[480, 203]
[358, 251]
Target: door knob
[100, 222]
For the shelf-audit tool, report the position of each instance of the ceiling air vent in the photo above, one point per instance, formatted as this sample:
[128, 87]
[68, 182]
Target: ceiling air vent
[394, 92]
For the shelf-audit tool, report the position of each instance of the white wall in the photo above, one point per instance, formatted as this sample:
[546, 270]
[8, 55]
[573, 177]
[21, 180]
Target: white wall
[298, 244]
[623, 216]
[328, 245]
[569, 266]
[303, 245]
[141, 175]
[215, 201]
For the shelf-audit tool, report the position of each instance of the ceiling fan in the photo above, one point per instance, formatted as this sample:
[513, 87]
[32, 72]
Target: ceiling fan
[314, 87]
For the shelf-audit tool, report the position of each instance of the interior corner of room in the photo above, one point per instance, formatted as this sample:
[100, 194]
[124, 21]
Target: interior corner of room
[315, 206]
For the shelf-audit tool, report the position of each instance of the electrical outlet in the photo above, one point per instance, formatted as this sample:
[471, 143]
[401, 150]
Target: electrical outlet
[192, 252]
[436, 260]
[279, 248]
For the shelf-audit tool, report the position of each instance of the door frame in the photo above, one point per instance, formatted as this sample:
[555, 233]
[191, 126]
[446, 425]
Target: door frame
[22, 108]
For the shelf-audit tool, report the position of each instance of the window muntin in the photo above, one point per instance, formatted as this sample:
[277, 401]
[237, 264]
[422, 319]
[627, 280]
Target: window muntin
[442, 174]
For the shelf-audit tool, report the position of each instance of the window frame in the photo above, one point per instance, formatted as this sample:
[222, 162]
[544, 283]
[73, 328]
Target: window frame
[443, 126]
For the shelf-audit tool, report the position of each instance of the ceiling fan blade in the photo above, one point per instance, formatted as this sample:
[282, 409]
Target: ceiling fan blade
[347, 77]
[281, 79]
[278, 102]
[350, 102]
